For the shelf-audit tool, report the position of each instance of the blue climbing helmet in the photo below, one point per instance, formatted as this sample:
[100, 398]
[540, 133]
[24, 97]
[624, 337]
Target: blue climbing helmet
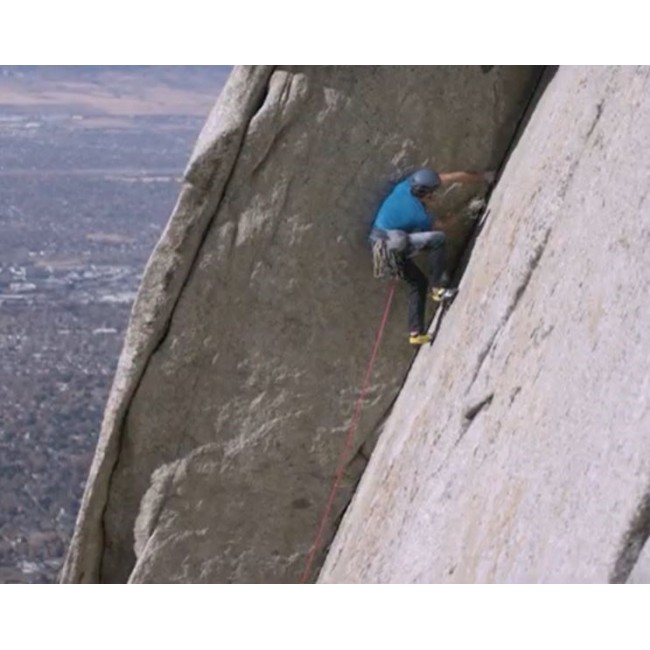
[424, 181]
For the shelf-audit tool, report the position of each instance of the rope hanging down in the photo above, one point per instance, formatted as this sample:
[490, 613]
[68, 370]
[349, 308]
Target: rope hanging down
[348, 440]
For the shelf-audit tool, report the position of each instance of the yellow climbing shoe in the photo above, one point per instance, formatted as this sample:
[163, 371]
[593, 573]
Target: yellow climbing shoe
[419, 339]
[440, 294]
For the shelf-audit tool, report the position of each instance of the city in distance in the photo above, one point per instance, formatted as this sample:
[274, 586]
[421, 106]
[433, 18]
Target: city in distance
[91, 160]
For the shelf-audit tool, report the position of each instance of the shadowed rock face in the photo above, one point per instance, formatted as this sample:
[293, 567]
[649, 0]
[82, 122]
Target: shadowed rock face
[519, 447]
[255, 319]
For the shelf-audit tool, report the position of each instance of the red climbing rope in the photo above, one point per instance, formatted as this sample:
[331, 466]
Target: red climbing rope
[348, 441]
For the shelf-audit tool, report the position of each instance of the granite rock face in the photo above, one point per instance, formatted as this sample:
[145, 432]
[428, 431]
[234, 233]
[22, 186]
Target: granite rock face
[519, 447]
[250, 334]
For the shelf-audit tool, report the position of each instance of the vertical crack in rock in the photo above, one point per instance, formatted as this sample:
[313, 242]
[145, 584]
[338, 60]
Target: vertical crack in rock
[551, 498]
[633, 542]
[165, 328]
[208, 226]
[546, 74]
[545, 77]
[365, 449]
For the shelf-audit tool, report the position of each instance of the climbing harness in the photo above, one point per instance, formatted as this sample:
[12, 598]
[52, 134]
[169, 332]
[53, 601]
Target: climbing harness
[348, 440]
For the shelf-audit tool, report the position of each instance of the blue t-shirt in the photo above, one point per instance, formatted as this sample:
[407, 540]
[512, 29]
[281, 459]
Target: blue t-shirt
[402, 211]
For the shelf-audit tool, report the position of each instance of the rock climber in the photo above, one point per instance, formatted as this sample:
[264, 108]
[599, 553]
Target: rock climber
[403, 228]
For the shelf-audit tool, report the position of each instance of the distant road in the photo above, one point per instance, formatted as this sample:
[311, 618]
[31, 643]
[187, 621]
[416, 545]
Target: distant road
[134, 173]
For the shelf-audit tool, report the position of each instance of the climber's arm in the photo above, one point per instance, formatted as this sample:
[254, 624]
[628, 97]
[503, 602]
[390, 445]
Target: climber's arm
[449, 178]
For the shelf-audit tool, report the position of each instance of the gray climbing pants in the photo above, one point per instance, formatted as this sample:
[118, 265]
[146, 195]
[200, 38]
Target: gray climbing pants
[409, 245]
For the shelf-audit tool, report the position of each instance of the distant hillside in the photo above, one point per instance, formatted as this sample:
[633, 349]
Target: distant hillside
[111, 90]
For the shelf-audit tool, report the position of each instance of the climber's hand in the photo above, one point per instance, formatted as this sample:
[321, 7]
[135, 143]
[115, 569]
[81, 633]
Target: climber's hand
[490, 177]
